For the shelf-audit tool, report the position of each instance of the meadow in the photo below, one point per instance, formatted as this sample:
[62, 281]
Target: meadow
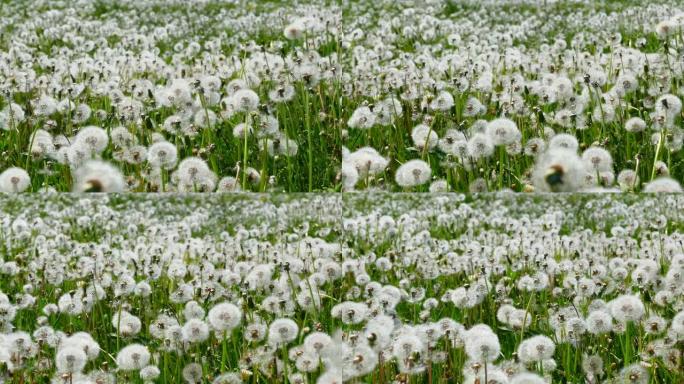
[124, 289]
[274, 96]
[388, 191]
[528, 96]
[169, 96]
[360, 288]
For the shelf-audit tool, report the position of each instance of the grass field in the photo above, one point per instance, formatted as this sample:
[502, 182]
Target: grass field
[424, 192]
[521, 95]
[146, 85]
[277, 97]
[365, 288]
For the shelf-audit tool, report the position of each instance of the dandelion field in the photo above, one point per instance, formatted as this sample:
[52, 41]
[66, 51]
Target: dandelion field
[327, 192]
[527, 96]
[80, 273]
[341, 288]
[225, 96]
[147, 96]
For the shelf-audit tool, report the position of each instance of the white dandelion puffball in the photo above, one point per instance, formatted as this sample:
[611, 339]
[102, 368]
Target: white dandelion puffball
[133, 357]
[413, 173]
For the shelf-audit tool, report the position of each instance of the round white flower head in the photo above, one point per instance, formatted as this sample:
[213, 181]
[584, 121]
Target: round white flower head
[423, 136]
[95, 139]
[294, 31]
[635, 124]
[367, 161]
[13, 180]
[443, 102]
[126, 323]
[224, 316]
[282, 331]
[628, 179]
[192, 172]
[592, 365]
[133, 357]
[559, 170]
[228, 184]
[597, 159]
[162, 154]
[565, 141]
[663, 185]
[438, 186]
[407, 345]
[453, 143]
[666, 28]
[599, 322]
[412, 173]
[98, 176]
[193, 310]
[350, 312]
[255, 331]
[362, 118]
[192, 373]
[503, 131]
[669, 106]
[150, 373]
[195, 331]
[482, 344]
[480, 146]
[70, 359]
[536, 349]
[626, 308]
[634, 374]
[42, 144]
[246, 100]
[315, 342]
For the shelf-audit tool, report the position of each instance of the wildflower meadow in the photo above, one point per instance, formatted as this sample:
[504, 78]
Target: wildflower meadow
[169, 95]
[341, 288]
[533, 96]
[341, 191]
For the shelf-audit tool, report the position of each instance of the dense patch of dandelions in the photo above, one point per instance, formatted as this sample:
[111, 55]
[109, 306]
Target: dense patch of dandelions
[119, 83]
[502, 288]
[486, 104]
